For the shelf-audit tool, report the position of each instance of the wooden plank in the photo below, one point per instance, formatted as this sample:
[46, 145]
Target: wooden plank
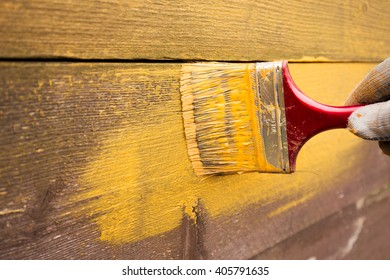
[359, 231]
[93, 164]
[198, 30]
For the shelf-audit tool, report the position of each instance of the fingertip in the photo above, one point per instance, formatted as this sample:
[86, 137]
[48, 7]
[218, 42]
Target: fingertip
[371, 122]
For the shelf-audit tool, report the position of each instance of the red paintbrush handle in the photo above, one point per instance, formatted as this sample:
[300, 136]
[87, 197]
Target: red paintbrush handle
[306, 117]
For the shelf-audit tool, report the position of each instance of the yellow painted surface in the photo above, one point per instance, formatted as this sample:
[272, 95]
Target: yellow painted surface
[142, 181]
[244, 30]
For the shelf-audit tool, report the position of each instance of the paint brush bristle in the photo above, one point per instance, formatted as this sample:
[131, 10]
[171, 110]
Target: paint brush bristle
[220, 117]
[234, 117]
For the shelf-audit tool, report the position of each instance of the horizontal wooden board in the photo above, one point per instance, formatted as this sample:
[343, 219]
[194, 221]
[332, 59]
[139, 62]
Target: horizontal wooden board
[196, 30]
[359, 231]
[93, 164]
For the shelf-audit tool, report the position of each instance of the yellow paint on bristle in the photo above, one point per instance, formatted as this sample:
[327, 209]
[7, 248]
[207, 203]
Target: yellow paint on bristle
[241, 120]
[220, 118]
[253, 108]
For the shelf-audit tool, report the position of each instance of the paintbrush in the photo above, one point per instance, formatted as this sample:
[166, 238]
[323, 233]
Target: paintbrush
[241, 117]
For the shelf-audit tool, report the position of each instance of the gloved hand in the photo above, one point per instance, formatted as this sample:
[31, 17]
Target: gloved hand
[372, 122]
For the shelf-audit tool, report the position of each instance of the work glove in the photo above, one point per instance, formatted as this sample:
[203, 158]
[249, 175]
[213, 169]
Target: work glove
[372, 121]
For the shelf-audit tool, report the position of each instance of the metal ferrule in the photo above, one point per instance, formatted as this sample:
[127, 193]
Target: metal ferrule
[272, 116]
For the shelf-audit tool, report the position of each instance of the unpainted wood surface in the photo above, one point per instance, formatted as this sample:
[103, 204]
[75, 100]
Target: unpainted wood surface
[196, 30]
[359, 231]
[93, 165]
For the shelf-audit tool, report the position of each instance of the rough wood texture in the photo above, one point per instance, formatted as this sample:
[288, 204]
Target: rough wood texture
[359, 231]
[221, 30]
[93, 165]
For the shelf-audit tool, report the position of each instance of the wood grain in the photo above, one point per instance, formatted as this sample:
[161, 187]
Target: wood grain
[355, 232]
[196, 30]
[93, 165]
